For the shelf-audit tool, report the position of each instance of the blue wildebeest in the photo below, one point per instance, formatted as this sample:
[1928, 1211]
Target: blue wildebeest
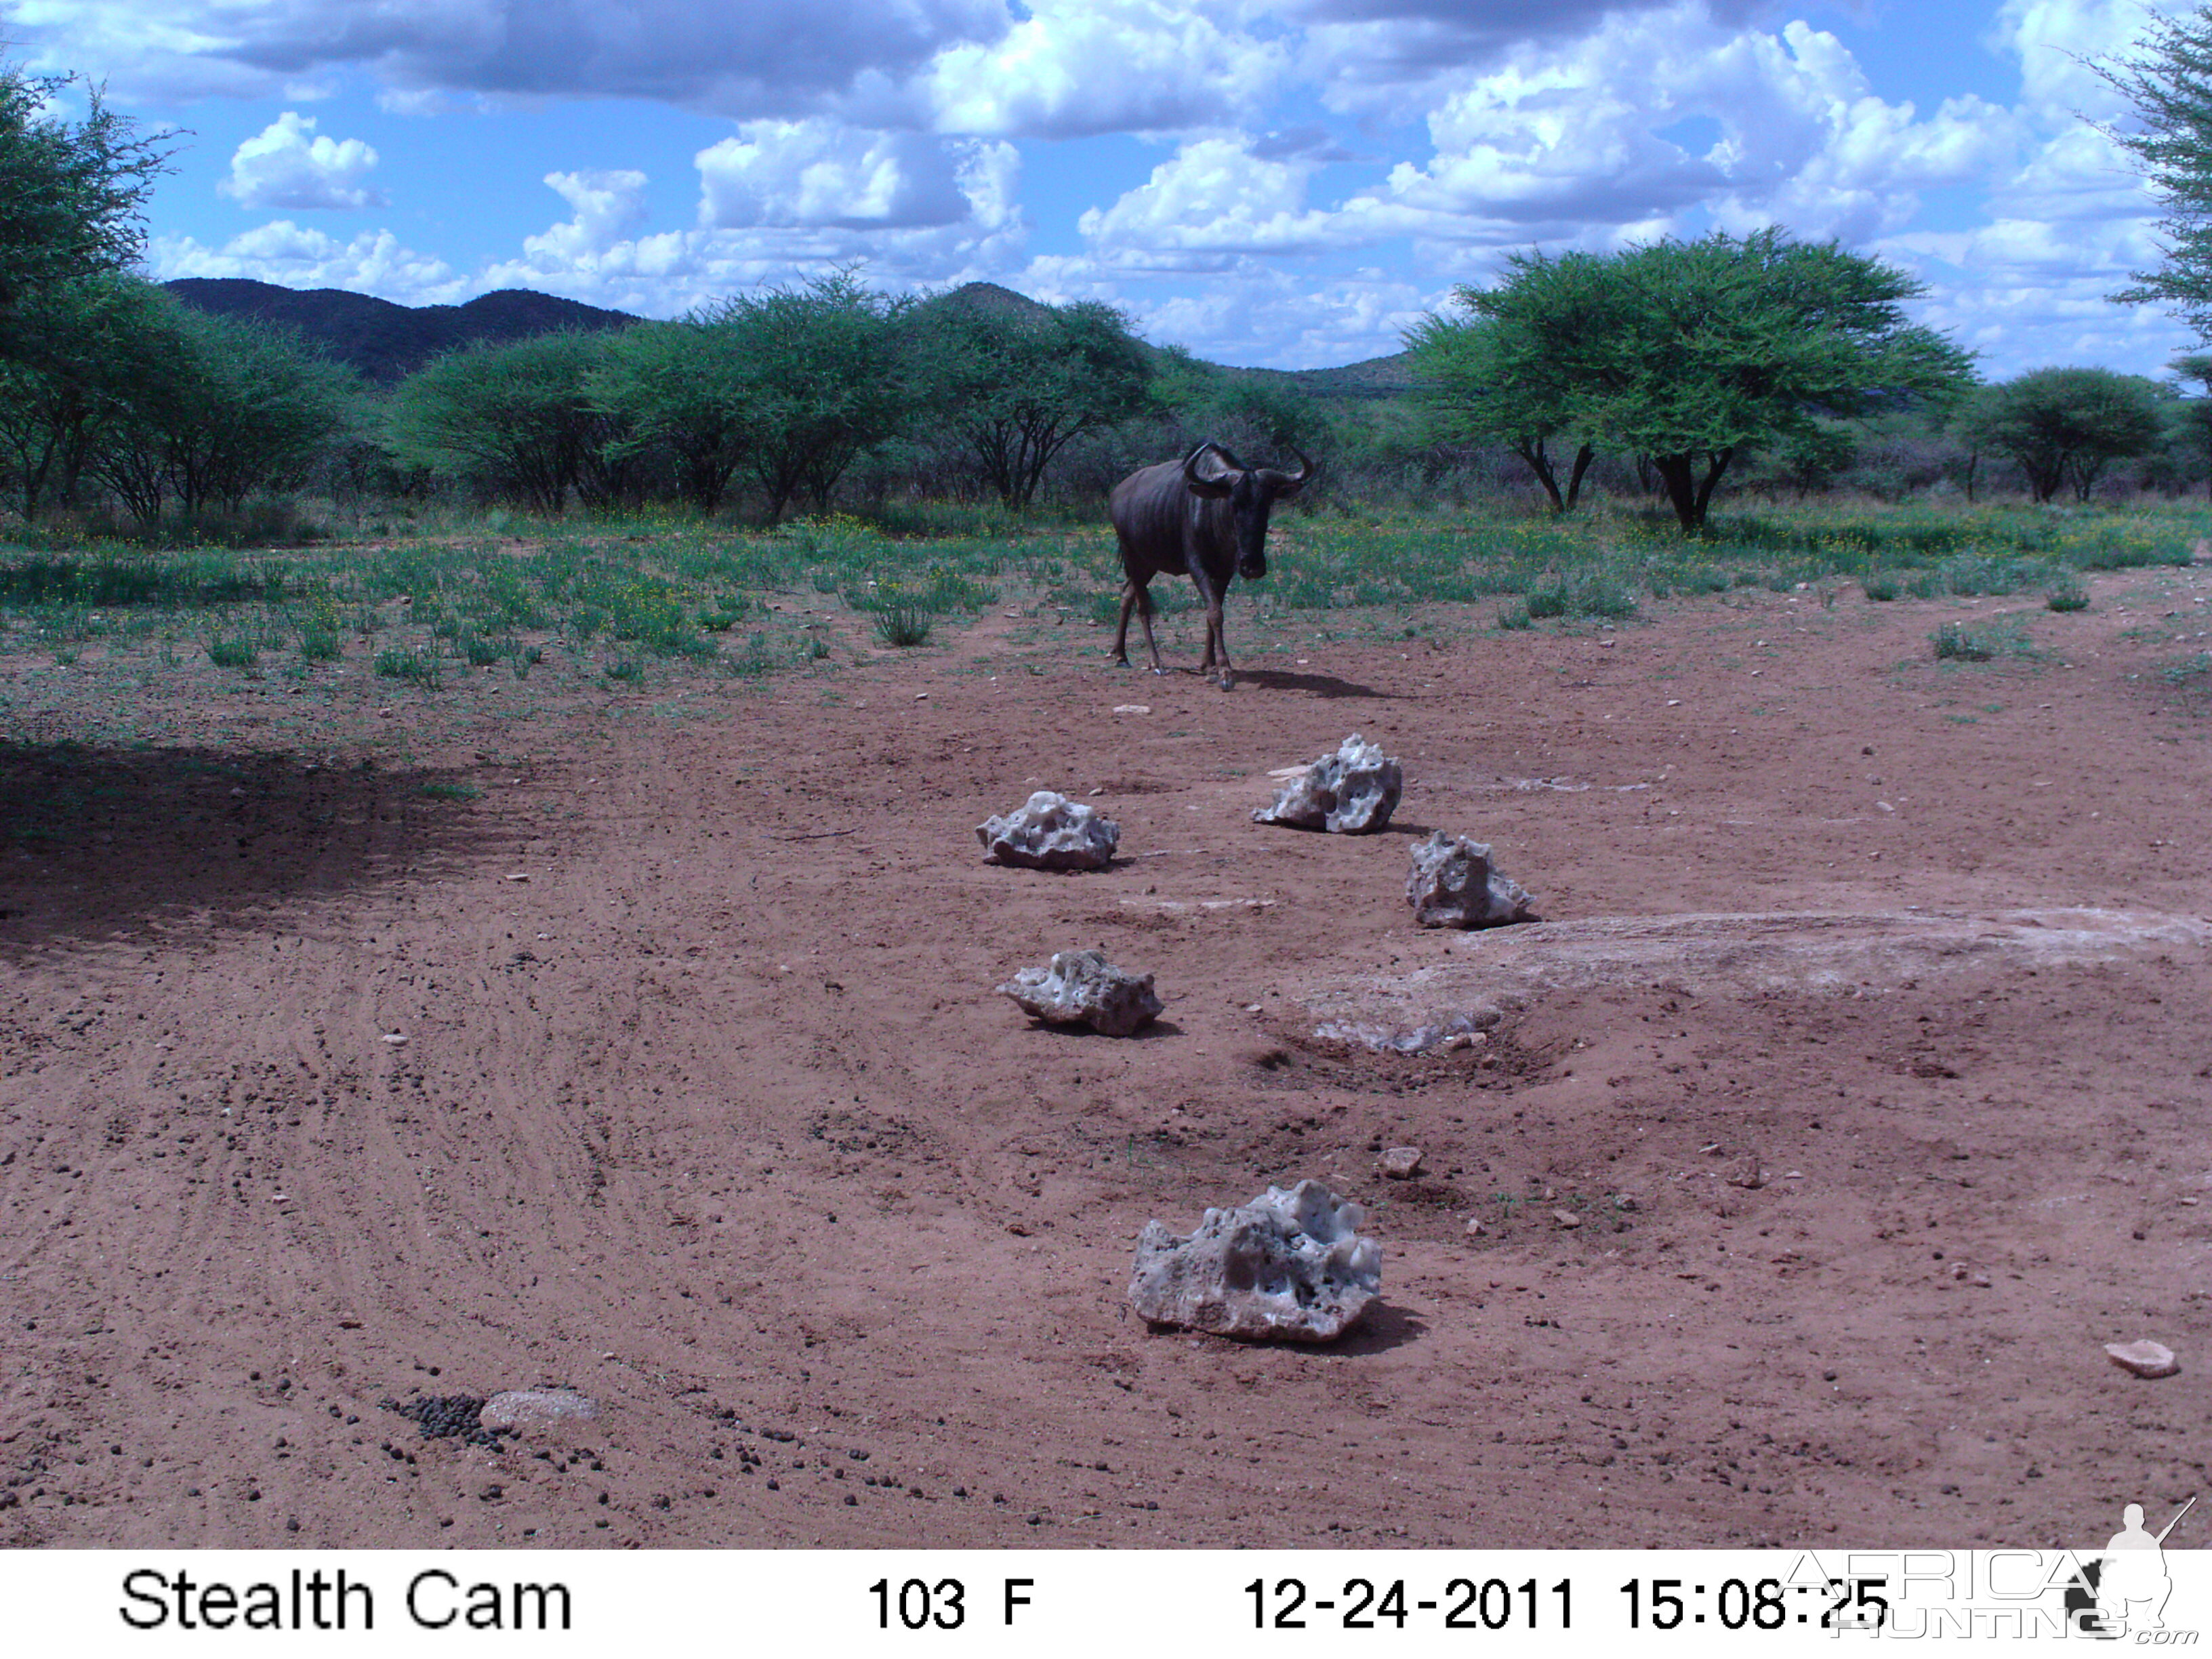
[1203, 517]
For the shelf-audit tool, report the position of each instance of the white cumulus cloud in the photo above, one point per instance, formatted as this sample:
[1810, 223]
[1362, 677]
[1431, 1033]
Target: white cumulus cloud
[806, 196]
[605, 203]
[1079, 67]
[819, 172]
[1570, 144]
[1591, 141]
[1212, 198]
[289, 165]
[376, 262]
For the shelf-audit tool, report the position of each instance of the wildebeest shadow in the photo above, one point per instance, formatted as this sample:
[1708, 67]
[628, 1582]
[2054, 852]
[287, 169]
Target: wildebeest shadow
[98, 841]
[1327, 687]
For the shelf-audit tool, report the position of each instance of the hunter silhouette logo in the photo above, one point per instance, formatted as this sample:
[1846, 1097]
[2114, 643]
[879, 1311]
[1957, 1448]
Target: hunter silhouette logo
[2123, 1591]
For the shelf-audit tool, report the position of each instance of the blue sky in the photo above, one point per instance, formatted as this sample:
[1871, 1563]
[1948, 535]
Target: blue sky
[1280, 182]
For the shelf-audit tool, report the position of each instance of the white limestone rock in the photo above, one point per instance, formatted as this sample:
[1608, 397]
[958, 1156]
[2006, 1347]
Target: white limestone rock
[1351, 792]
[1289, 1266]
[1453, 885]
[2144, 1359]
[1050, 832]
[1082, 988]
[519, 1409]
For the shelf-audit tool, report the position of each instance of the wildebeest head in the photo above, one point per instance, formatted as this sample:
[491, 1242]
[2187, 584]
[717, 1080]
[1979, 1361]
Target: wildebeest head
[1211, 470]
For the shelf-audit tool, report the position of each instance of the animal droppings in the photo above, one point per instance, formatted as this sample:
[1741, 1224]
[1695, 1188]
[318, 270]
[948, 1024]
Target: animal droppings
[1351, 792]
[1050, 832]
[450, 1416]
[1452, 884]
[1081, 987]
[2145, 1358]
[1289, 1266]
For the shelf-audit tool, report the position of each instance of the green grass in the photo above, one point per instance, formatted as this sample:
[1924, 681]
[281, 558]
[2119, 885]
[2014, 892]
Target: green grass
[452, 791]
[1999, 637]
[417, 667]
[2066, 594]
[177, 581]
[2191, 672]
[233, 654]
[654, 595]
[901, 625]
[1589, 593]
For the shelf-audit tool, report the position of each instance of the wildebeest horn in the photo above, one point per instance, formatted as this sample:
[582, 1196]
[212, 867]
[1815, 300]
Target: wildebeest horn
[1282, 483]
[1201, 483]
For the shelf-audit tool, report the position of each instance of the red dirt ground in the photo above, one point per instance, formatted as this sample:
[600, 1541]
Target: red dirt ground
[715, 1116]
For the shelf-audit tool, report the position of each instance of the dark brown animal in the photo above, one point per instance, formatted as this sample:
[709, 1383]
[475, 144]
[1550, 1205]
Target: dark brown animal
[1203, 517]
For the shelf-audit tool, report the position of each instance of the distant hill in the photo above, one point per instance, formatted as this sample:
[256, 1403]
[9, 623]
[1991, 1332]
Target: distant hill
[1375, 377]
[987, 297]
[387, 342]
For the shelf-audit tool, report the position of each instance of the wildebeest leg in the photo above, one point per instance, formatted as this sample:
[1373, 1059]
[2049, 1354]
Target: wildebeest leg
[1136, 596]
[1129, 592]
[1213, 621]
[1216, 637]
[1145, 615]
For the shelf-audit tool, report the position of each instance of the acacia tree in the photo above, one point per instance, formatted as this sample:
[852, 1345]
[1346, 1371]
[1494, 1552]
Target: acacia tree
[1020, 384]
[205, 411]
[71, 194]
[263, 407]
[824, 372]
[1694, 353]
[2064, 426]
[1252, 412]
[681, 386]
[1496, 375]
[517, 418]
[2170, 84]
[2195, 416]
[81, 346]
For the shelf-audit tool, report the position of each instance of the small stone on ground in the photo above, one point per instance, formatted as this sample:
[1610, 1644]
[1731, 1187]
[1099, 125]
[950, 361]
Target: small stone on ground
[2144, 1359]
[529, 1408]
[1081, 987]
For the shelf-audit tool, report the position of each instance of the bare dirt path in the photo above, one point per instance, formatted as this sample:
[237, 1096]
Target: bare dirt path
[700, 1101]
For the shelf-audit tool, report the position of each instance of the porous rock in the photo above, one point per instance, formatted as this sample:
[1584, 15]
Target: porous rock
[2146, 1358]
[1289, 1266]
[1453, 885]
[519, 1409]
[1082, 988]
[1050, 832]
[1351, 792]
